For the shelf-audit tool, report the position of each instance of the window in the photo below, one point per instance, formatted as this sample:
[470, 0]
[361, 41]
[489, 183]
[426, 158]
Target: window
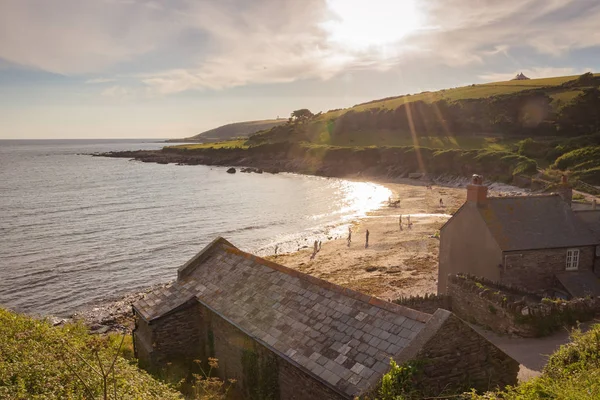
[572, 259]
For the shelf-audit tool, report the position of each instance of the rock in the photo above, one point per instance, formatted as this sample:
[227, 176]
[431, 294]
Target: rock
[100, 329]
[259, 171]
[231, 170]
[57, 321]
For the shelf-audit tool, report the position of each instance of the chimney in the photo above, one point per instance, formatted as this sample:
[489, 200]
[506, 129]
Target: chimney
[476, 191]
[565, 191]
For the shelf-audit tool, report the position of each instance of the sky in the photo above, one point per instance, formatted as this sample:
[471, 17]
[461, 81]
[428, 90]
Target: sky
[174, 68]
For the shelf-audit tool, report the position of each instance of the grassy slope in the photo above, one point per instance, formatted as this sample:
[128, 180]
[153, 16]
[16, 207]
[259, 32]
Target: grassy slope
[238, 129]
[37, 361]
[472, 92]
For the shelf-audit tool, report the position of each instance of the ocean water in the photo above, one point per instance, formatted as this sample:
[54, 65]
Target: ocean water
[77, 230]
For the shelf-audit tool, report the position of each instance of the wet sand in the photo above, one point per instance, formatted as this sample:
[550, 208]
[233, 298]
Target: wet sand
[396, 263]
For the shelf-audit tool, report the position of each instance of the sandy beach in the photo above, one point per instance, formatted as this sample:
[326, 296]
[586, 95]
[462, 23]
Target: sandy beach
[397, 262]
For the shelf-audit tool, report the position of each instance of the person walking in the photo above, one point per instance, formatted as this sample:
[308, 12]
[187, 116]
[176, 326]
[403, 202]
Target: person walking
[367, 239]
[349, 236]
[400, 222]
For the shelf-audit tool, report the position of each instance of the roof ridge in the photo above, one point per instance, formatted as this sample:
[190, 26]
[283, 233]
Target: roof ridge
[372, 300]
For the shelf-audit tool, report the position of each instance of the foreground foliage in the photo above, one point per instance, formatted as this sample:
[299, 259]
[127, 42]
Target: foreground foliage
[38, 361]
[572, 372]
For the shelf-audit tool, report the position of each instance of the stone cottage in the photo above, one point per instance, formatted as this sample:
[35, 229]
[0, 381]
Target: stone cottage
[535, 242]
[284, 334]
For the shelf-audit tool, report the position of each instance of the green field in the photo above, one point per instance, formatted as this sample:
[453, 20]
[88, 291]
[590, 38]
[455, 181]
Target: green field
[475, 91]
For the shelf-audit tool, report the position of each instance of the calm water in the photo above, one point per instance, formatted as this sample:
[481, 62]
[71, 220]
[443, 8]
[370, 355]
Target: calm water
[76, 229]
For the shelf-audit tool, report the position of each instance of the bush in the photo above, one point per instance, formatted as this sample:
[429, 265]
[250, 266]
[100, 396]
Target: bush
[41, 361]
[579, 156]
[532, 149]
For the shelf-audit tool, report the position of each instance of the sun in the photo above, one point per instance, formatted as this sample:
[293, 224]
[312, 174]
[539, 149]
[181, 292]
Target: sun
[360, 24]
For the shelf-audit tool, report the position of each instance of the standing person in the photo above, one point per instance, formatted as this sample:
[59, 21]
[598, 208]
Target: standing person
[276, 249]
[441, 202]
[400, 222]
[409, 223]
[319, 246]
[349, 236]
[367, 240]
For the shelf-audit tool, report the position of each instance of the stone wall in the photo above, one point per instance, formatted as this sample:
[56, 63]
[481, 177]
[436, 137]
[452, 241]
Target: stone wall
[479, 305]
[510, 310]
[142, 342]
[534, 270]
[452, 357]
[176, 337]
[427, 304]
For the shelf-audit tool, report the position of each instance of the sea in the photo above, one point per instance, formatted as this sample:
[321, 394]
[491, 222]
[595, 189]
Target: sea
[77, 230]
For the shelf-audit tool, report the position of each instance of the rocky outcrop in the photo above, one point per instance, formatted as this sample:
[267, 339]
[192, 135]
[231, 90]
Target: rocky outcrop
[340, 162]
[231, 170]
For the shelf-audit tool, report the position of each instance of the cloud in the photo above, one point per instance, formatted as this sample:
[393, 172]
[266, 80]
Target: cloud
[99, 80]
[172, 46]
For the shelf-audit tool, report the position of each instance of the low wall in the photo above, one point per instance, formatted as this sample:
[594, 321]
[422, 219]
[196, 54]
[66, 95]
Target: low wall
[510, 310]
[427, 304]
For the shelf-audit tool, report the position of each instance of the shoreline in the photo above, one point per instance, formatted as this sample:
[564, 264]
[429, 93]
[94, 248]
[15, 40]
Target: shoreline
[397, 263]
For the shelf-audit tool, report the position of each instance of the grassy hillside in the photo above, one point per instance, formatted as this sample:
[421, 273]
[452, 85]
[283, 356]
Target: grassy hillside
[475, 91]
[563, 106]
[38, 361]
[553, 116]
[236, 130]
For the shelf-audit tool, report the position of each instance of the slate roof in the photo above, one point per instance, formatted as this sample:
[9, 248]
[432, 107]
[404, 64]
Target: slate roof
[534, 222]
[580, 283]
[341, 337]
[592, 219]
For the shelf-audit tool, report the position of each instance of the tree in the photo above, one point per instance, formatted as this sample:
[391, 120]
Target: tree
[301, 115]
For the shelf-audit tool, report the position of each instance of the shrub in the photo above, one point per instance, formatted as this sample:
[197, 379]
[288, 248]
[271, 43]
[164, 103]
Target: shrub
[577, 157]
[41, 361]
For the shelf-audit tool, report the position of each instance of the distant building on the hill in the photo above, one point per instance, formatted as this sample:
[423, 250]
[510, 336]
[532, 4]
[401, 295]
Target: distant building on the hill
[520, 77]
[535, 242]
[283, 334]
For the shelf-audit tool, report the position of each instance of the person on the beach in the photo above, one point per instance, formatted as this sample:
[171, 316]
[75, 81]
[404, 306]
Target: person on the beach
[367, 239]
[319, 246]
[276, 248]
[409, 224]
[400, 222]
[441, 202]
[349, 236]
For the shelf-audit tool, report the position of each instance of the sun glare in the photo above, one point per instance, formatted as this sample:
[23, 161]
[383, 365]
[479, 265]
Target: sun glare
[359, 24]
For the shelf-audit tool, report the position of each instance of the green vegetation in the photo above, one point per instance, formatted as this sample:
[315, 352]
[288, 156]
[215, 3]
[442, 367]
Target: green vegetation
[572, 372]
[236, 130]
[232, 144]
[38, 361]
[399, 383]
[522, 126]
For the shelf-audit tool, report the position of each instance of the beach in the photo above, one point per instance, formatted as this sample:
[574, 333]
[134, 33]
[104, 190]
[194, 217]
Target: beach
[397, 262]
